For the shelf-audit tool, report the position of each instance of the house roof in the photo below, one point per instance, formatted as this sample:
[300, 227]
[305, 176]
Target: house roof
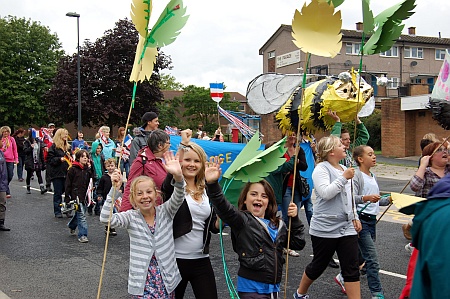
[346, 33]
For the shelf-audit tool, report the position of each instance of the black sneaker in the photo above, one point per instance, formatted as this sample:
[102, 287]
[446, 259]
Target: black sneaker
[333, 264]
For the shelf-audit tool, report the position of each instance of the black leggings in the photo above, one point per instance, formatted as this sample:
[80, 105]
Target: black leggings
[30, 174]
[200, 274]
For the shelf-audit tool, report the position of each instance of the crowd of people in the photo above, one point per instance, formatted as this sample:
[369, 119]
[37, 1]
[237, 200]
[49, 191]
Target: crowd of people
[172, 203]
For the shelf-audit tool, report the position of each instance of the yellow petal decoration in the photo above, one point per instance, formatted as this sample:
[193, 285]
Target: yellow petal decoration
[143, 68]
[140, 15]
[317, 29]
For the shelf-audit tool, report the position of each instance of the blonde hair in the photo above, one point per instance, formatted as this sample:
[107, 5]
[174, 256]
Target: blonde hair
[59, 142]
[326, 145]
[200, 177]
[111, 160]
[133, 187]
[431, 136]
[5, 128]
[105, 129]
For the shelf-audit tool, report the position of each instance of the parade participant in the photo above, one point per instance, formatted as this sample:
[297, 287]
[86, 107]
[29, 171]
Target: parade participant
[77, 184]
[108, 144]
[258, 235]
[20, 139]
[9, 149]
[103, 187]
[98, 162]
[3, 188]
[153, 271]
[79, 142]
[148, 162]
[58, 160]
[193, 224]
[34, 160]
[362, 137]
[48, 140]
[150, 123]
[124, 153]
[335, 223]
[368, 201]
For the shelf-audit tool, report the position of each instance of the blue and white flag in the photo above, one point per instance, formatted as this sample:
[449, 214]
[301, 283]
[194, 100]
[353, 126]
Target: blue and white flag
[216, 90]
[127, 141]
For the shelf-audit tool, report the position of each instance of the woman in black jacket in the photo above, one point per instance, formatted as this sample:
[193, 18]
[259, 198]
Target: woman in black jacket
[58, 161]
[34, 160]
[20, 140]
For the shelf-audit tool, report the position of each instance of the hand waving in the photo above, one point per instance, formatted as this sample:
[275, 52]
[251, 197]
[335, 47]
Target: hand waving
[172, 165]
[213, 170]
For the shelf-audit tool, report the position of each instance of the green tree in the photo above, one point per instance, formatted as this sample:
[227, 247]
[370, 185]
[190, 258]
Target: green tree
[373, 125]
[169, 82]
[169, 113]
[29, 55]
[105, 87]
[201, 109]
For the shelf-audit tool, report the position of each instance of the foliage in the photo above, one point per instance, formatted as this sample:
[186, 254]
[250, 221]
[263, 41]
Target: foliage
[201, 109]
[168, 82]
[29, 55]
[105, 87]
[373, 125]
[169, 113]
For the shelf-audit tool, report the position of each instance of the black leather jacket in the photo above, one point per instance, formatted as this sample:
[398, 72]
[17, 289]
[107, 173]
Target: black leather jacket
[182, 223]
[260, 258]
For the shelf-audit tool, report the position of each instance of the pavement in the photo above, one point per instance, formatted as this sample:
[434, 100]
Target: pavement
[39, 259]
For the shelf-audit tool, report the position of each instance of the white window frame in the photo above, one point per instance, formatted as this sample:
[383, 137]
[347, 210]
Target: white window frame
[271, 54]
[392, 52]
[409, 51]
[441, 54]
[393, 83]
[355, 48]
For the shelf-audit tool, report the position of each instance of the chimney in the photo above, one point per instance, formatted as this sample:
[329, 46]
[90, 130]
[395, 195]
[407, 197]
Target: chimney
[359, 26]
[412, 31]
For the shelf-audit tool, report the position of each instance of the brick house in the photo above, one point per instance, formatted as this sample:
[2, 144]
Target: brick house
[411, 66]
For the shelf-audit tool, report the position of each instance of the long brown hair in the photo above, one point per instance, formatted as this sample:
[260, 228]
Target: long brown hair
[121, 133]
[272, 208]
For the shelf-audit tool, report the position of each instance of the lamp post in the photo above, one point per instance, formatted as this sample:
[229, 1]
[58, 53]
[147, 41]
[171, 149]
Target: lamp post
[75, 15]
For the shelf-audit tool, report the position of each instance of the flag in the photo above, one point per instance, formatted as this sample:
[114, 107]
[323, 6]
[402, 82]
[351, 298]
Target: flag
[127, 141]
[216, 90]
[36, 133]
[171, 131]
[46, 134]
[103, 137]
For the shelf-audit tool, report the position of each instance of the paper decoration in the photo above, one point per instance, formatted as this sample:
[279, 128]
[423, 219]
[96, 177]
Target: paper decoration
[387, 26]
[335, 3]
[164, 32]
[216, 90]
[317, 28]
[403, 200]
[441, 89]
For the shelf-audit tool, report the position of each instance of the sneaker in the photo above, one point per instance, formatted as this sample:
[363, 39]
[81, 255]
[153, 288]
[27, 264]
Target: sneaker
[340, 281]
[377, 296]
[291, 252]
[409, 248]
[73, 232]
[297, 296]
[8, 195]
[83, 239]
[20, 180]
[113, 232]
[333, 264]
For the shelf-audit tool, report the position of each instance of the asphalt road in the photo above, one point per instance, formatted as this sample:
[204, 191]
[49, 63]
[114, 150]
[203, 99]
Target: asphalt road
[40, 259]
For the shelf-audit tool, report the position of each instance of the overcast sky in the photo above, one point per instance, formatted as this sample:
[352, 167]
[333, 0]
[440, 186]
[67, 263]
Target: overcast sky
[221, 39]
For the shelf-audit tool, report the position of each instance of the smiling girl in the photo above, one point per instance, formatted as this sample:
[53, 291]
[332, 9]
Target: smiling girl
[153, 271]
[258, 235]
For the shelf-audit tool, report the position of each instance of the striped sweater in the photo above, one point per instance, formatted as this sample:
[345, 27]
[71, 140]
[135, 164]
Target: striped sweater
[144, 244]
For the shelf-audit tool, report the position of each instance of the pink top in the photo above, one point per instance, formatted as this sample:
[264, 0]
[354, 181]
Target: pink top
[10, 149]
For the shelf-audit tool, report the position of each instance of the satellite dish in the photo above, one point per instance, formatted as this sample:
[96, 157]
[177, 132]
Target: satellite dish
[348, 63]
[413, 63]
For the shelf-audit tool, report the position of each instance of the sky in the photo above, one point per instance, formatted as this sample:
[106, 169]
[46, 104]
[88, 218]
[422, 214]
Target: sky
[221, 40]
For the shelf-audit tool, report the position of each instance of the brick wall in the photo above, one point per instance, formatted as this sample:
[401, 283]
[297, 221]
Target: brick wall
[393, 124]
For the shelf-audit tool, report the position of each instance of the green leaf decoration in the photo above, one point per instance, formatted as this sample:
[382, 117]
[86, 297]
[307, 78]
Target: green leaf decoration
[140, 15]
[336, 3]
[367, 17]
[167, 28]
[388, 27]
[249, 167]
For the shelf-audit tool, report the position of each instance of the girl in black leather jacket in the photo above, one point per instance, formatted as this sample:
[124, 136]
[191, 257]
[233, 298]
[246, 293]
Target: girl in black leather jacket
[258, 236]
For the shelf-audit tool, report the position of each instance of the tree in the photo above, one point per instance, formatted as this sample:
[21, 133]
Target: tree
[201, 109]
[169, 113]
[168, 82]
[106, 90]
[29, 55]
[373, 125]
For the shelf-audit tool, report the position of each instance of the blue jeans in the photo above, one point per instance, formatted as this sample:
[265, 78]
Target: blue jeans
[299, 202]
[79, 220]
[125, 166]
[10, 173]
[59, 186]
[20, 167]
[366, 244]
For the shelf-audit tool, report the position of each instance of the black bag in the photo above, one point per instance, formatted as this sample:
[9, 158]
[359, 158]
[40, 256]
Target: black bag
[301, 185]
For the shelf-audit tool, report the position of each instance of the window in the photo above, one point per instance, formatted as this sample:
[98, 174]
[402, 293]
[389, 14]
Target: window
[413, 52]
[271, 54]
[392, 52]
[440, 54]
[393, 83]
[352, 48]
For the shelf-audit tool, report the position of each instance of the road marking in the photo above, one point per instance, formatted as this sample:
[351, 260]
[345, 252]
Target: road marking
[36, 189]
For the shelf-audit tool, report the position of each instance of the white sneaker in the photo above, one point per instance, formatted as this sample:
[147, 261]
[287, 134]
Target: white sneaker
[409, 248]
[83, 239]
[340, 281]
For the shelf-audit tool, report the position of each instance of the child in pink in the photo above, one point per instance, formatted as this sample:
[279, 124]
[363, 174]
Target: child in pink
[9, 149]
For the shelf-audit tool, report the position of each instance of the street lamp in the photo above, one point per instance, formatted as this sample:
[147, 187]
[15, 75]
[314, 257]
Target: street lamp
[75, 15]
